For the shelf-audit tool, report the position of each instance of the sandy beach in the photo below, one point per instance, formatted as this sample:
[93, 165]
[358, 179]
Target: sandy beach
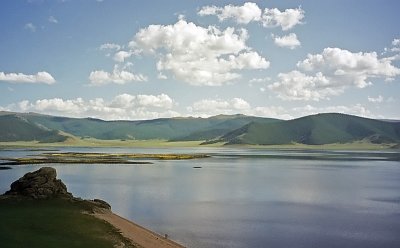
[136, 233]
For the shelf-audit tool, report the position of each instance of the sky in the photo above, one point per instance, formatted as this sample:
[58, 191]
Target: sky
[134, 60]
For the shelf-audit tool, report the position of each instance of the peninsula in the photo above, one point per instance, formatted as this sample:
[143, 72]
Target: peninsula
[38, 211]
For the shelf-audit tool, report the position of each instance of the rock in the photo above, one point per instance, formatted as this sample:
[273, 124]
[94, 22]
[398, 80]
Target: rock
[40, 184]
[102, 204]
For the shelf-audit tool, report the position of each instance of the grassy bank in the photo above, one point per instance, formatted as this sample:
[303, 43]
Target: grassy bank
[90, 142]
[54, 223]
[96, 158]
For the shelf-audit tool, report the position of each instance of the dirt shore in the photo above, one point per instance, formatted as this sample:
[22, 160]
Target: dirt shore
[137, 234]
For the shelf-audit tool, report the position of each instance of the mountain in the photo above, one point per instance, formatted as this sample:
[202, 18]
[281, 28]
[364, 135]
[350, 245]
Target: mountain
[222, 124]
[16, 128]
[229, 129]
[316, 130]
[165, 128]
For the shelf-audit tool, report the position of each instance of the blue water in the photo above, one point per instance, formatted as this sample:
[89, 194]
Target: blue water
[242, 198]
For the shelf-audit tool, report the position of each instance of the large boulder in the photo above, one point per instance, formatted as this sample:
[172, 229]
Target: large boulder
[40, 184]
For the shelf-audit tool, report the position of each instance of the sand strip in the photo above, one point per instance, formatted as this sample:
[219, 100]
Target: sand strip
[138, 234]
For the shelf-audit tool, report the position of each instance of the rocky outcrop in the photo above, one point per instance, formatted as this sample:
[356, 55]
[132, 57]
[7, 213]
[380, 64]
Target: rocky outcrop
[40, 184]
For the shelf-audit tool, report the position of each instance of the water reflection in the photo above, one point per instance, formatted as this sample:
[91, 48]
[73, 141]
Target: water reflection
[239, 198]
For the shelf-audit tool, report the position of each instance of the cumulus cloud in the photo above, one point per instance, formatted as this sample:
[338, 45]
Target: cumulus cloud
[296, 85]
[40, 77]
[121, 107]
[161, 76]
[110, 46]
[29, 26]
[250, 12]
[286, 19]
[210, 107]
[198, 55]
[52, 19]
[356, 109]
[117, 76]
[289, 41]
[259, 80]
[396, 42]
[330, 73]
[377, 99]
[160, 101]
[120, 56]
[241, 14]
[395, 45]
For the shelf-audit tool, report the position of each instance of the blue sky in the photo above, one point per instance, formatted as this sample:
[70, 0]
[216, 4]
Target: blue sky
[126, 59]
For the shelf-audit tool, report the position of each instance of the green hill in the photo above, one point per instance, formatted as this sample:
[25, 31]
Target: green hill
[177, 129]
[316, 130]
[16, 128]
[221, 124]
[230, 129]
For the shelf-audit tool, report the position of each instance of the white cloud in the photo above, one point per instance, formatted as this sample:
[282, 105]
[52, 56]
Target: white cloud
[241, 14]
[120, 56]
[271, 112]
[29, 26]
[52, 19]
[240, 104]
[330, 73]
[122, 107]
[160, 101]
[161, 76]
[378, 99]
[396, 46]
[210, 107]
[40, 77]
[117, 76]
[289, 41]
[207, 106]
[111, 46]
[396, 42]
[286, 19]
[250, 12]
[348, 67]
[197, 55]
[296, 85]
[356, 109]
[259, 80]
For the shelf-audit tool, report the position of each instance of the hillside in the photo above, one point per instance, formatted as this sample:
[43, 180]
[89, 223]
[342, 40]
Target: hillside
[182, 129]
[218, 129]
[16, 128]
[229, 129]
[316, 130]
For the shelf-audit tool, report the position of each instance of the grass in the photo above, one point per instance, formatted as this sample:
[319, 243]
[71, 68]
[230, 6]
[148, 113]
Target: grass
[359, 145]
[91, 142]
[95, 158]
[54, 223]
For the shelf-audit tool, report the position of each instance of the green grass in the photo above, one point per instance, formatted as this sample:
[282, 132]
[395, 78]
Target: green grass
[96, 158]
[91, 142]
[53, 223]
[357, 145]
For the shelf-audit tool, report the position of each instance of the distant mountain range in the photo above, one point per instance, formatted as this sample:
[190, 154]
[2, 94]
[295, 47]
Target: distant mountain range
[230, 129]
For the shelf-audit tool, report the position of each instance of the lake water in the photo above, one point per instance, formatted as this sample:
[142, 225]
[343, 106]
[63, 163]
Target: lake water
[247, 197]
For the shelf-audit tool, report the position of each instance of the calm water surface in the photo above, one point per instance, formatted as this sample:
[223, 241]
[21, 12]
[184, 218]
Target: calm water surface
[247, 197]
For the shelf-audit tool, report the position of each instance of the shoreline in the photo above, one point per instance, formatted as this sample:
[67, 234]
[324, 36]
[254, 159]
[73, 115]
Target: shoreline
[165, 144]
[138, 234]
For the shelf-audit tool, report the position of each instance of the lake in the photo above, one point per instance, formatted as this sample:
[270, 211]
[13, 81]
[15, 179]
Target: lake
[247, 197]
